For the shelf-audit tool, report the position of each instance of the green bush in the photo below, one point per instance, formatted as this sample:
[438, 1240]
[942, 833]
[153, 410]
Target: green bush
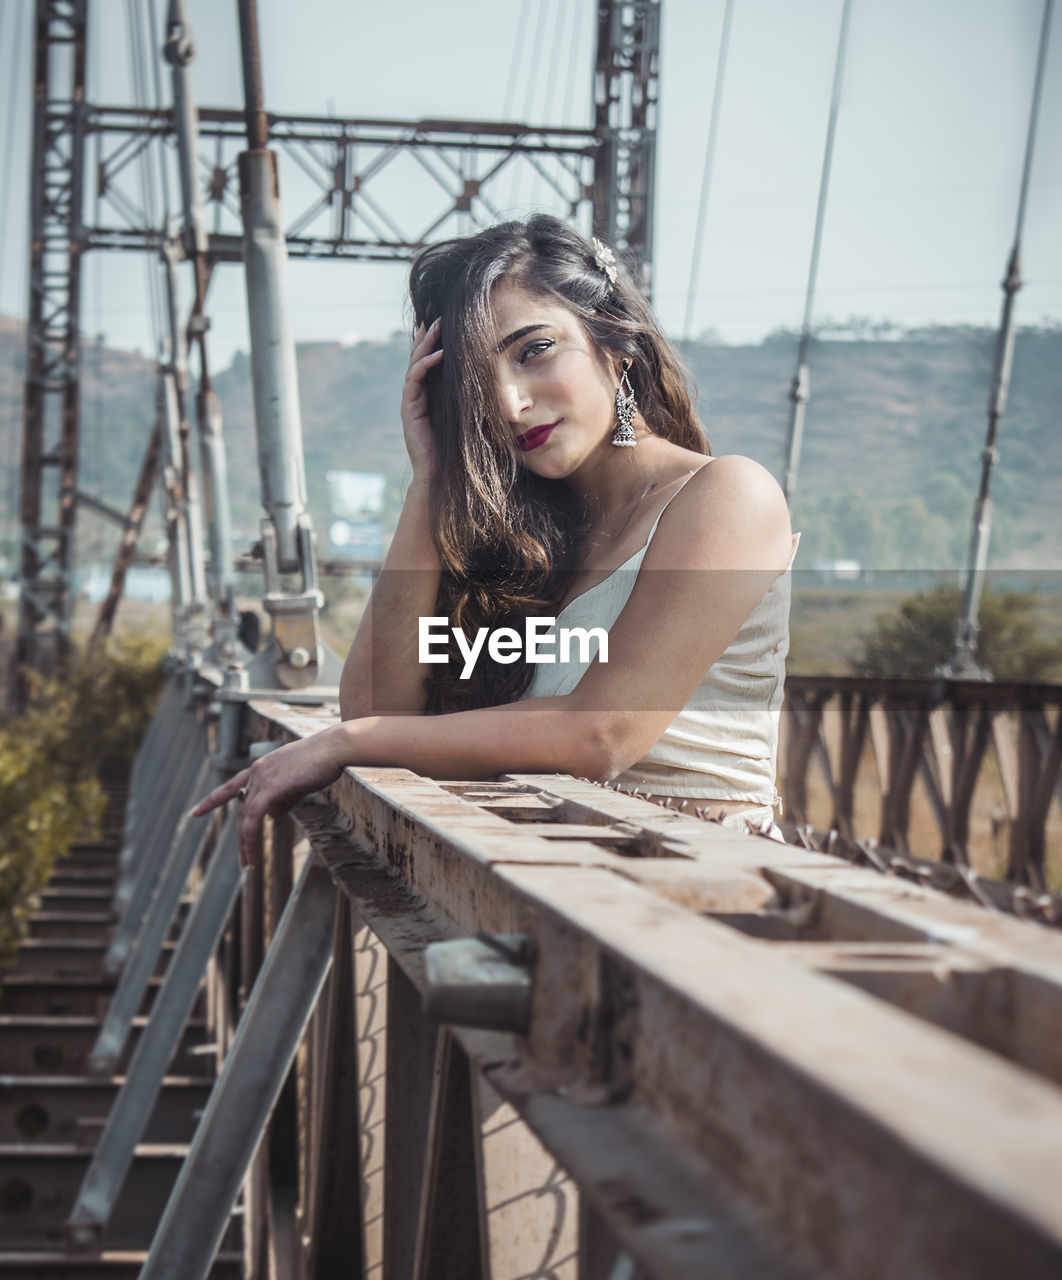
[918, 638]
[51, 759]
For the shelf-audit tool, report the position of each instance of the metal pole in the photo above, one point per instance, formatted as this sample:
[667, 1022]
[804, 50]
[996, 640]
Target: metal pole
[273, 369]
[709, 161]
[800, 389]
[172, 494]
[177, 374]
[180, 51]
[963, 663]
[296, 657]
[216, 498]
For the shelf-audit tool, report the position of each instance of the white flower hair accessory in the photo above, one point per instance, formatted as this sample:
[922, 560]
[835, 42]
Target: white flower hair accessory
[605, 260]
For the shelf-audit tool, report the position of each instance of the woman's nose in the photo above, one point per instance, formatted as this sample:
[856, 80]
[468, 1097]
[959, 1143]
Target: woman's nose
[515, 398]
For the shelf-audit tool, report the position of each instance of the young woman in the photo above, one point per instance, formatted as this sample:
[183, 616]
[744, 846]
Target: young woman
[558, 472]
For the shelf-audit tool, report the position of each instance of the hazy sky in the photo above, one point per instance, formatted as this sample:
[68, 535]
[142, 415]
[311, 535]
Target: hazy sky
[926, 170]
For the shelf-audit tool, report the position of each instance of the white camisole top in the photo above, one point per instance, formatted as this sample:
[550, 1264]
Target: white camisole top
[723, 744]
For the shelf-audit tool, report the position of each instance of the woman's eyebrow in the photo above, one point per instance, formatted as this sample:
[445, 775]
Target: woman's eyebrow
[516, 334]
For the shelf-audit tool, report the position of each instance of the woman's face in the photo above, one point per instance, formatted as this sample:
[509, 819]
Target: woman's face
[556, 389]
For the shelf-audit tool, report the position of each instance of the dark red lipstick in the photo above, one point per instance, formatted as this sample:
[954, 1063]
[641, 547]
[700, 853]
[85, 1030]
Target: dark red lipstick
[535, 436]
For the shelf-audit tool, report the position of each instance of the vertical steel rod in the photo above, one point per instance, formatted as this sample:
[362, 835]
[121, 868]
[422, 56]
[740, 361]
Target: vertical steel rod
[964, 663]
[709, 164]
[177, 377]
[800, 388]
[273, 370]
[180, 52]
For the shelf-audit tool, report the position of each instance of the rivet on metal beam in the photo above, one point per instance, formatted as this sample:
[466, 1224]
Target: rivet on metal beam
[482, 982]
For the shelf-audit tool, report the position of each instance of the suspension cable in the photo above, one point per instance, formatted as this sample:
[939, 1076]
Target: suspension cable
[536, 58]
[569, 84]
[532, 78]
[148, 192]
[709, 163]
[517, 60]
[547, 115]
[799, 392]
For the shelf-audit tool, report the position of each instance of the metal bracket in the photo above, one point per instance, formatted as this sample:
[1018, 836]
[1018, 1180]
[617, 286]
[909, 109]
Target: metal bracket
[483, 982]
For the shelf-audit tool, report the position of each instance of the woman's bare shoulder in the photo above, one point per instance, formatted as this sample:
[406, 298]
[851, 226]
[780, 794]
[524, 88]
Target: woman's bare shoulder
[731, 511]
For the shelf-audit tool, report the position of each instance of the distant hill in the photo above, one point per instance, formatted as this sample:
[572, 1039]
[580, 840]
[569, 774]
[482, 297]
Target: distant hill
[894, 431]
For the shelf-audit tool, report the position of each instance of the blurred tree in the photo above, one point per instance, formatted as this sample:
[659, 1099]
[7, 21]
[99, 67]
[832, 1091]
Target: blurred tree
[918, 537]
[818, 537]
[858, 528]
[918, 637]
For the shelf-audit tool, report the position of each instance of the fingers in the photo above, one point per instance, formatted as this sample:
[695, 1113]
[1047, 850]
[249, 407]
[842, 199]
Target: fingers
[422, 357]
[416, 372]
[249, 833]
[425, 339]
[220, 795]
[252, 812]
[422, 348]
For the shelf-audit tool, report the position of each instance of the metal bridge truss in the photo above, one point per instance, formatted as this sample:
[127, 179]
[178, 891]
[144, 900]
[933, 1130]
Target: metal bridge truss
[669, 1050]
[348, 178]
[343, 178]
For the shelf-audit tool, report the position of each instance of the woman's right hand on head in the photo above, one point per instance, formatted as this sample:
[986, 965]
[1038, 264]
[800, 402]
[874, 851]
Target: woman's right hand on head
[416, 423]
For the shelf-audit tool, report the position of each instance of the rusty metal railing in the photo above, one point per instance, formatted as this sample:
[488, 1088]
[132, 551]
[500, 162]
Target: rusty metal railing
[535, 1027]
[982, 760]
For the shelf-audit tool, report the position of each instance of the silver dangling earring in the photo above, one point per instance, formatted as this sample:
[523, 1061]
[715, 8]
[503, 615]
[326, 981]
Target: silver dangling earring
[626, 407]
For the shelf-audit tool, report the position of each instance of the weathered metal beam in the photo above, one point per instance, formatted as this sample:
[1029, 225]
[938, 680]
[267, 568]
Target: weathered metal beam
[796, 1069]
[170, 854]
[50, 419]
[639, 1180]
[144, 1076]
[73, 1109]
[125, 553]
[626, 87]
[53, 1044]
[192, 1227]
[141, 958]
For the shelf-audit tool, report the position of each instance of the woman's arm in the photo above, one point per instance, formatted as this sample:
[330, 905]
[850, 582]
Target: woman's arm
[386, 678]
[719, 546]
[543, 735]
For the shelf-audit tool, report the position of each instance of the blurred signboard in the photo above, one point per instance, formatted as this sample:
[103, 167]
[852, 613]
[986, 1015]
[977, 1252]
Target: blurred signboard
[355, 526]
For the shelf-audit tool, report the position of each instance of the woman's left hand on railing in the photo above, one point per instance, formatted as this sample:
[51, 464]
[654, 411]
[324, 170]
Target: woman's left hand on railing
[276, 783]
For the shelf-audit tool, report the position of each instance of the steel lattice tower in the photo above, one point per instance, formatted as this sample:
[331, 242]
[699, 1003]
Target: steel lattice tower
[48, 504]
[626, 80]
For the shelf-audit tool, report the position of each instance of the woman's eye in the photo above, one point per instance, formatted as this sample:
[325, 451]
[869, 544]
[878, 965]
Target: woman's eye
[535, 349]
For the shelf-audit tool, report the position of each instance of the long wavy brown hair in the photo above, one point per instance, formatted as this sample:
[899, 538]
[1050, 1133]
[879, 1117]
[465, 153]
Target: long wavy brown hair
[508, 539]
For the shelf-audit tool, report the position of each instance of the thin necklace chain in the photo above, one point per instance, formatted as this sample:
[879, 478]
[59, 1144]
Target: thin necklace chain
[615, 537]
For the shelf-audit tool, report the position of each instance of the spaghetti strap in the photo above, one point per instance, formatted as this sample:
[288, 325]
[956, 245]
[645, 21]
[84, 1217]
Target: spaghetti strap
[686, 480]
[635, 556]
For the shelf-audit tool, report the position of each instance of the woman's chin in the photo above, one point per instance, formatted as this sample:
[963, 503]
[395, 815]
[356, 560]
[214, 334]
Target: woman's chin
[551, 466]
